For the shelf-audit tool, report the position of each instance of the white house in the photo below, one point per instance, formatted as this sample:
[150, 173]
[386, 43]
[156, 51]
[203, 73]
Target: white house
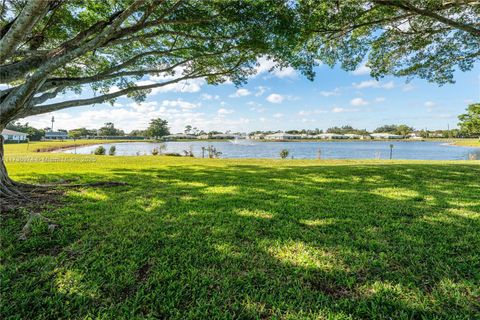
[386, 136]
[258, 136]
[179, 136]
[353, 136]
[331, 136]
[223, 136]
[281, 136]
[56, 135]
[10, 135]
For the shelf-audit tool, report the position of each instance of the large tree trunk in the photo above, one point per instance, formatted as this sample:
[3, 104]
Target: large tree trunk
[8, 188]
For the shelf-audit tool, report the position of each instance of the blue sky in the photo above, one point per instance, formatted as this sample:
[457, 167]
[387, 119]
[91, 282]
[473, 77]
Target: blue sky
[283, 100]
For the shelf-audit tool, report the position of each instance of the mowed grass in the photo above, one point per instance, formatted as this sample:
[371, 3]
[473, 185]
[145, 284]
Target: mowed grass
[252, 239]
[467, 142]
[14, 149]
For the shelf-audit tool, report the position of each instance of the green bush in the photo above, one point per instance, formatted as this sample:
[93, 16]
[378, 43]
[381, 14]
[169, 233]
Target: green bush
[112, 150]
[284, 153]
[99, 151]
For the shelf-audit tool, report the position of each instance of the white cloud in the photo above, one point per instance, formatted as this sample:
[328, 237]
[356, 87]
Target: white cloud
[334, 92]
[180, 104]
[311, 112]
[287, 72]
[144, 106]
[306, 120]
[260, 91]
[358, 102]
[240, 93]
[278, 115]
[380, 99]
[429, 104]
[223, 111]
[275, 98]
[207, 96]
[134, 117]
[265, 65]
[342, 110]
[407, 87]
[361, 70]
[373, 84]
[185, 86]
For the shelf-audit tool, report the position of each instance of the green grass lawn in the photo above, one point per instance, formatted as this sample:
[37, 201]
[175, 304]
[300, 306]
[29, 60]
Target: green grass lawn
[252, 239]
[467, 142]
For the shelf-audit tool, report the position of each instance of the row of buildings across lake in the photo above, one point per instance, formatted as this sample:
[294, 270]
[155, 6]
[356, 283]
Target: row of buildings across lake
[282, 136]
[15, 136]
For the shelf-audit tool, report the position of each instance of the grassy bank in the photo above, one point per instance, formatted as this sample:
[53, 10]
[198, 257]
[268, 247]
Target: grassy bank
[467, 142]
[210, 238]
[48, 146]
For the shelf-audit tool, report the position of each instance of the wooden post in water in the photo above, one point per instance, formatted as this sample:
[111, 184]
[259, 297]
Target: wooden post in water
[203, 152]
[391, 151]
[319, 154]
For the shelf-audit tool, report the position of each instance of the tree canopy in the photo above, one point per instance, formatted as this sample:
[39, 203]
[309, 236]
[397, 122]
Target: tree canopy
[429, 39]
[109, 130]
[55, 46]
[157, 128]
[51, 47]
[470, 121]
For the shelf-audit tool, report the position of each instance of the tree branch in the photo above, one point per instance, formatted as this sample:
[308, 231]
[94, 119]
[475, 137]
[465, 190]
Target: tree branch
[407, 6]
[33, 11]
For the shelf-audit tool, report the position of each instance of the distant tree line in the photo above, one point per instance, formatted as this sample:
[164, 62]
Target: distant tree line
[469, 127]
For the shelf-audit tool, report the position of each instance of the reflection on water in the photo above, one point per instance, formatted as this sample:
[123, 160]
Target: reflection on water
[301, 150]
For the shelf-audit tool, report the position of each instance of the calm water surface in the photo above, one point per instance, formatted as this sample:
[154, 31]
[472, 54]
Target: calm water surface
[301, 150]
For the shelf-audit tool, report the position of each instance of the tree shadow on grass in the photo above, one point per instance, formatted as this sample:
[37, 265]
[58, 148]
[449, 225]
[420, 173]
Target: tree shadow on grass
[251, 241]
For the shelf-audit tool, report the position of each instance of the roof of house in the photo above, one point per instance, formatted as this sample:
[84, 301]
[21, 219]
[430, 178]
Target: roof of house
[281, 134]
[55, 134]
[11, 132]
[179, 135]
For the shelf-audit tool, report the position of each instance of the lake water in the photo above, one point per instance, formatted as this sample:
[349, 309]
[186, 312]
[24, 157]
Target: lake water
[300, 150]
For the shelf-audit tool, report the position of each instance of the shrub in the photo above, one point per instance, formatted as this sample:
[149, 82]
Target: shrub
[155, 151]
[284, 153]
[99, 151]
[112, 150]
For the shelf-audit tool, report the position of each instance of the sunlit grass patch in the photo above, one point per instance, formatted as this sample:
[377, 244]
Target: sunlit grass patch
[210, 238]
[221, 190]
[300, 254]
[398, 193]
[255, 213]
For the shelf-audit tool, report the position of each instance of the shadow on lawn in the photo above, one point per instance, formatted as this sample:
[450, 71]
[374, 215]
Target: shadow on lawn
[248, 241]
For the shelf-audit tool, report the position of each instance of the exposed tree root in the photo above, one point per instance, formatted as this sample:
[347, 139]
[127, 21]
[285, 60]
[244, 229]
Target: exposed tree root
[27, 228]
[80, 185]
[35, 198]
[28, 196]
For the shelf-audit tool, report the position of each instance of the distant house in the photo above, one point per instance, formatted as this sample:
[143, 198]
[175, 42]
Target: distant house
[223, 136]
[56, 135]
[331, 136]
[386, 136]
[203, 137]
[414, 136]
[14, 136]
[179, 136]
[353, 136]
[258, 136]
[282, 136]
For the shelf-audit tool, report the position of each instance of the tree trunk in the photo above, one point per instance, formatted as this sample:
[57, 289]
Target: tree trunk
[8, 188]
